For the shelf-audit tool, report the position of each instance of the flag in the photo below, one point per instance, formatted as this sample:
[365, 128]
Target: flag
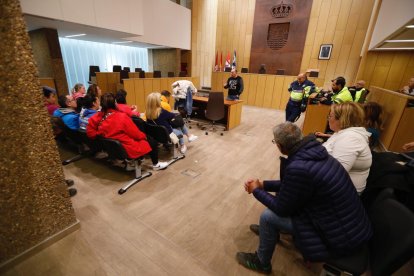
[228, 60]
[216, 64]
[221, 60]
[233, 66]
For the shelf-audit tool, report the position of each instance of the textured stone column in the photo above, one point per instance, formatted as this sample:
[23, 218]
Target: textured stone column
[34, 201]
[48, 56]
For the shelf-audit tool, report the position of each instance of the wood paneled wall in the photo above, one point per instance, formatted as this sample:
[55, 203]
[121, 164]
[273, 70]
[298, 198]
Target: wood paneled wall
[203, 39]
[269, 91]
[235, 30]
[390, 70]
[139, 89]
[343, 24]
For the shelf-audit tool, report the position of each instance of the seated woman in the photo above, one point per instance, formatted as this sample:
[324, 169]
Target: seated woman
[154, 113]
[349, 143]
[373, 122]
[49, 95]
[122, 106]
[113, 124]
[94, 90]
[90, 106]
[78, 91]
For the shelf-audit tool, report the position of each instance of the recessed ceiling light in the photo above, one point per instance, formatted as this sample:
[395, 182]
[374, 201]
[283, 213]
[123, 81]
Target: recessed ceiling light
[410, 26]
[75, 35]
[400, 40]
[119, 42]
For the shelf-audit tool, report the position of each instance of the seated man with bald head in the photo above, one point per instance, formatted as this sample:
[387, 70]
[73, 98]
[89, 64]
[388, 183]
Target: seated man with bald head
[408, 89]
[359, 92]
[298, 89]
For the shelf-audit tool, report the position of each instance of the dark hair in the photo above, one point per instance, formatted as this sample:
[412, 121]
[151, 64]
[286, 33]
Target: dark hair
[47, 91]
[92, 90]
[107, 102]
[340, 81]
[373, 115]
[88, 100]
[121, 96]
[166, 93]
[62, 101]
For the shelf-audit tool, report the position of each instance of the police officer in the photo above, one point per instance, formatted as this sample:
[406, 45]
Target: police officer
[298, 89]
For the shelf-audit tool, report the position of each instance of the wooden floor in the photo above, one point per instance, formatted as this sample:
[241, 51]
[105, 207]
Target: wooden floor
[189, 219]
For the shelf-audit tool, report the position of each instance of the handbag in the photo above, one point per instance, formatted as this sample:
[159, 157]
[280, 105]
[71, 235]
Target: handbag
[174, 138]
[177, 121]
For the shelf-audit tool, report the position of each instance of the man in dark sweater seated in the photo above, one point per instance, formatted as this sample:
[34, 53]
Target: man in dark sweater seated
[315, 201]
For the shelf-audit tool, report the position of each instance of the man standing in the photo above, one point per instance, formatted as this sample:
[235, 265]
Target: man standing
[316, 202]
[235, 86]
[298, 89]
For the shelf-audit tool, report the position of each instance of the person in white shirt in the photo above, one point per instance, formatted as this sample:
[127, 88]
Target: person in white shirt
[183, 92]
[350, 142]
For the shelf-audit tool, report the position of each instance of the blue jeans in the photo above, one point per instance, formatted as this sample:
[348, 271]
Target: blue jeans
[232, 97]
[292, 110]
[181, 131]
[186, 103]
[269, 227]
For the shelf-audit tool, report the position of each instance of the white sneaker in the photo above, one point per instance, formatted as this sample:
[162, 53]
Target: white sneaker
[183, 149]
[101, 155]
[192, 138]
[160, 166]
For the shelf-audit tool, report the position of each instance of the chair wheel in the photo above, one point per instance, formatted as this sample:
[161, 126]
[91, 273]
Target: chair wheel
[190, 127]
[121, 191]
[206, 133]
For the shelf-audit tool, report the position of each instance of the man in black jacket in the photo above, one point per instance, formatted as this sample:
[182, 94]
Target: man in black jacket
[235, 86]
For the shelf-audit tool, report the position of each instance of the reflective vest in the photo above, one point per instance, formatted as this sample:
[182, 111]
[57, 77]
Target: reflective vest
[297, 95]
[358, 94]
[343, 96]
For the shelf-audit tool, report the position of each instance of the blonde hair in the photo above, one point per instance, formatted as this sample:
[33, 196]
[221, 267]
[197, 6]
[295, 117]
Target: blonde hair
[153, 106]
[349, 114]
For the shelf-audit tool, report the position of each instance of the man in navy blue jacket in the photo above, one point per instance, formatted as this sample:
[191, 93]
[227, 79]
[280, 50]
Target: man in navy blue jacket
[315, 201]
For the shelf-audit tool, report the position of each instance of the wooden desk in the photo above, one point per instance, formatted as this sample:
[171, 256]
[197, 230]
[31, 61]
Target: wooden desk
[315, 118]
[398, 117]
[232, 113]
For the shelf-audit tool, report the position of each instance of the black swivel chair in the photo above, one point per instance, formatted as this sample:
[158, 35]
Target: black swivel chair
[123, 75]
[92, 71]
[227, 69]
[157, 74]
[182, 74]
[116, 151]
[391, 246]
[171, 74]
[280, 71]
[214, 112]
[116, 68]
[138, 69]
[142, 74]
[245, 70]
[127, 69]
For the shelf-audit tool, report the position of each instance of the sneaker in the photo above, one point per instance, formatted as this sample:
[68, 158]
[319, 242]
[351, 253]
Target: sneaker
[183, 149]
[160, 166]
[72, 192]
[192, 138]
[69, 182]
[130, 166]
[254, 228]
[251, 261]
[101, 155]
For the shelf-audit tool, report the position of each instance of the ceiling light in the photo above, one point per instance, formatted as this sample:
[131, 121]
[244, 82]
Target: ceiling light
[119, 42]
[410, 26]
[400, 40]
[75, 35]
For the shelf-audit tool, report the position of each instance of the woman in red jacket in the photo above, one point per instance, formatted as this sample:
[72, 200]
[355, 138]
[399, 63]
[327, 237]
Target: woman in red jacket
[113, 124]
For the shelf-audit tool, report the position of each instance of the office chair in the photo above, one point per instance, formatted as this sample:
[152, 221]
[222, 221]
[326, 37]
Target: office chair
[227, 69]
[157, 74]
[116, 151]
[116, 68]
[262, 69]
[138, 69]
[171, 74]
[142, 74]
[123, 75]
[127, 69]
[280, 71]
[182, 74]
[92, 71]
[245, 70]
[391, 246]
[214, 112]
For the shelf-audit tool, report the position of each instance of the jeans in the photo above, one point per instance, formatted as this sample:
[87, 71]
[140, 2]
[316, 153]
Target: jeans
[232, 97]
[186, 103]
[180, 132]
[292, 110]
[269, 227]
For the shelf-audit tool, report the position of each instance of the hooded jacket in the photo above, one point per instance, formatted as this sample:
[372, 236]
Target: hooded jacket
[69, 117]
[350, 146]
[84, 117]
[317, 193]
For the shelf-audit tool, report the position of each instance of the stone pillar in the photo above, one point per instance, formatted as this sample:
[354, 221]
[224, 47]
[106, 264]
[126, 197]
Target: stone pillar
[34, 201]
[48, 56]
